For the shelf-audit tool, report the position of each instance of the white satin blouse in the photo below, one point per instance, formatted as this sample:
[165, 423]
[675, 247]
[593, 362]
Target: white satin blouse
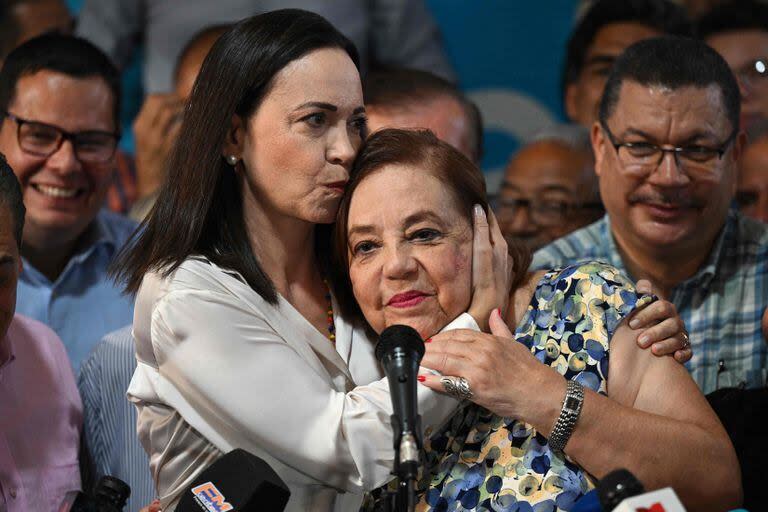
[219, 368]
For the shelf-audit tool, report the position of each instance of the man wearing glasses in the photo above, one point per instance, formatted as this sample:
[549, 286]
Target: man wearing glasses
[59, 107]
[549, 188]
[667, 145]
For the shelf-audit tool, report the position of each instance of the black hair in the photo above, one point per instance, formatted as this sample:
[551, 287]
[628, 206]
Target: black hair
[662, 15]
[733, 15]
[199, 210]
[11, 198]
[68, 55]
[672, 62]
[404, 87]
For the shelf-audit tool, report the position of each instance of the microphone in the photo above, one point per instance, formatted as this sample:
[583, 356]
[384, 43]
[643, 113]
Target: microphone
[238, 482]
[109, 495]
[399, 350]
[621, 491]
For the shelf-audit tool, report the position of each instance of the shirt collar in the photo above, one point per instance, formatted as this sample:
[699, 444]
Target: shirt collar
[98, 234]
[706, 272]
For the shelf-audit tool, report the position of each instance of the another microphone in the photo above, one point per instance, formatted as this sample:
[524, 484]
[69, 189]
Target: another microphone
[399, 351]
[238, 482]
[620, 491]
[109, 495]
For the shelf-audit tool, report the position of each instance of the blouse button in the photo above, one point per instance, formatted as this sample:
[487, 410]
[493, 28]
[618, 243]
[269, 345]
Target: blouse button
[12, 492]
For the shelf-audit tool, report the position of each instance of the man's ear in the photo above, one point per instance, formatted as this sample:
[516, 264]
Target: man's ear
[598, 146]
[739, 145]
[235, 138]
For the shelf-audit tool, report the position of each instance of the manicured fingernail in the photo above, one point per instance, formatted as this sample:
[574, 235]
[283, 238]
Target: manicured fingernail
[634, 323]
[479, 211]
[498, 312]
[421, 378]
[643, 340]
[428, 340]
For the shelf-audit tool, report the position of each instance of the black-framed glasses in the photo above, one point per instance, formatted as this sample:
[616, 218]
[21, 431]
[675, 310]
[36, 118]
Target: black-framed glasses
[645, 157]
[544, 211]
[43, 140]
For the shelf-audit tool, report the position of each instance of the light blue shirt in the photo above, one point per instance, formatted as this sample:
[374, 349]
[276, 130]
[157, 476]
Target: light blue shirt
[83, 304]
[109, 419]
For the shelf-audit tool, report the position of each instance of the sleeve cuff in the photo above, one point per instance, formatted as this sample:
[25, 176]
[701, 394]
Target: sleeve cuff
[463, 321]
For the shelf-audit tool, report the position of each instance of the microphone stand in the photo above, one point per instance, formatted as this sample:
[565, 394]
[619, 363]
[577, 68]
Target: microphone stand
[407, 461]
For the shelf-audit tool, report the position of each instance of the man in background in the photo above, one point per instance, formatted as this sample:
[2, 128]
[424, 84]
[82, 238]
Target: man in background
[59, 99]
[667, 147]
[549, 188]
[752, 187]
[602, 34]
[411, 98]
[41, 412]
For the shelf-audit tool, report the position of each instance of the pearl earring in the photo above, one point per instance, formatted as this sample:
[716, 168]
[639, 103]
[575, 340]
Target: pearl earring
[232, 160]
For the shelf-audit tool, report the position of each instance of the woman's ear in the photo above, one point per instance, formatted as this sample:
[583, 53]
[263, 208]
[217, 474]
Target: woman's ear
[235, 138]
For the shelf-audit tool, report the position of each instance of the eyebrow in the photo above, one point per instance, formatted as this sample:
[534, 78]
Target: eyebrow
[413, 218]
[600, 59]
[327, 106]
[693, 137]
[6, 259]
[545, 188]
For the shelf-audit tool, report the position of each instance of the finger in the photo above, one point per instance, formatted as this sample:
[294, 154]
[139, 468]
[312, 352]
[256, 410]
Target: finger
[666, 347]
[654, 312]
[669, 328]
[482, 252]
[683, 356]
[169, 114]
[456, 335]
[432, 382]
[171, 135]
[445, 364]
[499, 326]
[644, 286]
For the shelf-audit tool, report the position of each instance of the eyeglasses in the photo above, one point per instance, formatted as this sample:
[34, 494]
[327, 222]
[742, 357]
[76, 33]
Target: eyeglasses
[753, 74]
[546, 212]
[645, 157]
[43, 140]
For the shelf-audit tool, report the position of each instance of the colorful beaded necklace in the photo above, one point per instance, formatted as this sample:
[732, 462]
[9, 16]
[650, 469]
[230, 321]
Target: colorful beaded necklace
[331, 324]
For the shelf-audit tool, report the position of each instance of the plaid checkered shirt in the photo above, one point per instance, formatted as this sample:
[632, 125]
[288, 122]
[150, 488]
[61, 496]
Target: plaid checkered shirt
[721, 305]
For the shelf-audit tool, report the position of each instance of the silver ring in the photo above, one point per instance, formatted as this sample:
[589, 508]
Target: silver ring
[457, 387]
[686, 340]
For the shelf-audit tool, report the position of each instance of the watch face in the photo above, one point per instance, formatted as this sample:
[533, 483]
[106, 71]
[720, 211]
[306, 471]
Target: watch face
[571, 403]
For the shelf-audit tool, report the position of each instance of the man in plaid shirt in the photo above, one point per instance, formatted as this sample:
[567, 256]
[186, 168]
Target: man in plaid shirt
[666, 148]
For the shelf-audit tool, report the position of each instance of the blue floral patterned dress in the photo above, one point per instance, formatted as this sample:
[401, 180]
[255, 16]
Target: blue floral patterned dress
[483, 462]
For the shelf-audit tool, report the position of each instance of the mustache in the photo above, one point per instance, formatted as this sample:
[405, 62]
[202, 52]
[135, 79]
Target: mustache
[667, 198]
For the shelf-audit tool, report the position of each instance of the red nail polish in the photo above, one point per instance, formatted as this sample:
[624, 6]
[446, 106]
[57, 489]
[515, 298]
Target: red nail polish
[428, 340]
[421, 378]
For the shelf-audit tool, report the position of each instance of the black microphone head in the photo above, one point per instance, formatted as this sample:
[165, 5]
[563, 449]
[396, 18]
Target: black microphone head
[113, 491]
[238, 482]
[400, 336]
[617, 486]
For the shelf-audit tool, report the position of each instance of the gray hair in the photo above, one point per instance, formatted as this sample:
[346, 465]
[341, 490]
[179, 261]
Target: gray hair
[572, 136]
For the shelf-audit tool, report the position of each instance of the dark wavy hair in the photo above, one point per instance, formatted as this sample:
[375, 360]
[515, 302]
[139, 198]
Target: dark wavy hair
[199, 210]
[420, 149]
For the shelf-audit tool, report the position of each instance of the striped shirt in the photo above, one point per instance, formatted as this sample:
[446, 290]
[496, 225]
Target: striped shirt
[109, 419]
[721, 305]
